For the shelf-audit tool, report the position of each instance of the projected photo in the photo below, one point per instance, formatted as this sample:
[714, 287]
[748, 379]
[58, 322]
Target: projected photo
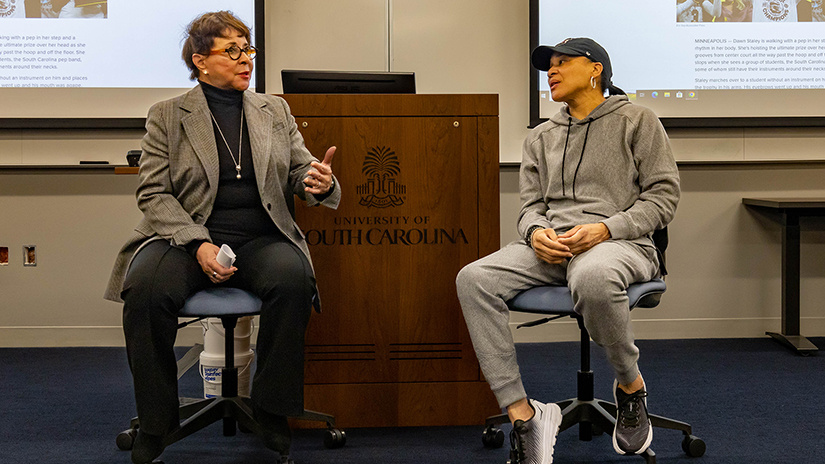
[61, 9]
[737, 11]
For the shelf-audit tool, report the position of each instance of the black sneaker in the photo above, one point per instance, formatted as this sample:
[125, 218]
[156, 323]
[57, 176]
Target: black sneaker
[633, 432]
[532, 441]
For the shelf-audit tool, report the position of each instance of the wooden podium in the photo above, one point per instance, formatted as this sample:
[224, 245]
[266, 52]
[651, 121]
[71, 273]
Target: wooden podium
[420, 199]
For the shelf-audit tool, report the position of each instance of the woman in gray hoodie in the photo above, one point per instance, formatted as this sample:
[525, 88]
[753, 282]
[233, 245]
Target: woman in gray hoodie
[596, 181]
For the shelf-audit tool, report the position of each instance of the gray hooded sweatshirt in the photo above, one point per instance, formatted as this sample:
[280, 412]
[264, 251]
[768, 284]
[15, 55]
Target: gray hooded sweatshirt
[615, 166]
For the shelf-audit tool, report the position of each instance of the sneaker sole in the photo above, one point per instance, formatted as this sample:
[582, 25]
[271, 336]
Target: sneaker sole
[616, 446]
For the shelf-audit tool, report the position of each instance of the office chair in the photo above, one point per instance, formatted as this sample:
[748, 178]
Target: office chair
[228, 304]
[594, 416]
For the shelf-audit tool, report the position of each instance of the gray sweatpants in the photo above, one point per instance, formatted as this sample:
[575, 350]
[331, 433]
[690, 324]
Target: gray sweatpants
[597, 279]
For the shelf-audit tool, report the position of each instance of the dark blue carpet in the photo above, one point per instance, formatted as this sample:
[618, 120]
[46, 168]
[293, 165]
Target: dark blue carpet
[751, 400]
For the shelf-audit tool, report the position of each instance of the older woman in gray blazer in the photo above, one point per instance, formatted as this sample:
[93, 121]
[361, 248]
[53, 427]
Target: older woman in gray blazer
[220, 165]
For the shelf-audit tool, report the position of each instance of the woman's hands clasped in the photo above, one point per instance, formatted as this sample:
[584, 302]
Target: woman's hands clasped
[206, 255]
[319, 179]
[547, 247]
[554, 249]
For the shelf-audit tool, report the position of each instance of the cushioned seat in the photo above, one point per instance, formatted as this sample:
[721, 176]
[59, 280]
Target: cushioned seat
[221, 302]
[557, 300]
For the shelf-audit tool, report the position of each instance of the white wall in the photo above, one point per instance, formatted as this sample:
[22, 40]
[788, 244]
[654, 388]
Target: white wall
[724, 259]
[77, 223]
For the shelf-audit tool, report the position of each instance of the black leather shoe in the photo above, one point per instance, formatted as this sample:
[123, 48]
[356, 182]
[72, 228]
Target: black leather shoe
[277, 434]
[146, 448]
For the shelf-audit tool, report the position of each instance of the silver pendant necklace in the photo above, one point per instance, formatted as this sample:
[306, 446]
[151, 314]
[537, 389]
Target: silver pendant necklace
[240, 143]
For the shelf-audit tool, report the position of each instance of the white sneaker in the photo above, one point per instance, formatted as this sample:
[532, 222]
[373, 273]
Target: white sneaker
[532, 442]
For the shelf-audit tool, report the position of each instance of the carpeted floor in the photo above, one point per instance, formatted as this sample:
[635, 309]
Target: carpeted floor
[750, 400]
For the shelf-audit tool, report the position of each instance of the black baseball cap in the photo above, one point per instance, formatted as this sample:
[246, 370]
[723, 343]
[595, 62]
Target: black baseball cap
[580, 46]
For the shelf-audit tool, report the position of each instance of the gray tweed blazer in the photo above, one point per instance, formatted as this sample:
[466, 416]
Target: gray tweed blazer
[179, 173]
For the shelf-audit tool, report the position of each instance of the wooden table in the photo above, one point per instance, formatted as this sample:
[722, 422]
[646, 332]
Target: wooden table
[788, 211]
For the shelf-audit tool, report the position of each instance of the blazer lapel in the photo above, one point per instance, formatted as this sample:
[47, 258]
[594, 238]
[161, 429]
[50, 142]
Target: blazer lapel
[197, 125]
[259, 123]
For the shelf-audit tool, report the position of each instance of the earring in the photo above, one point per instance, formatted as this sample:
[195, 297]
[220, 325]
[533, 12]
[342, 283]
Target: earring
[593, 81]
[207, 72]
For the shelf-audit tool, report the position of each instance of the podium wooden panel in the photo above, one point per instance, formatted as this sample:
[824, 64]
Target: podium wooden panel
[420, 199]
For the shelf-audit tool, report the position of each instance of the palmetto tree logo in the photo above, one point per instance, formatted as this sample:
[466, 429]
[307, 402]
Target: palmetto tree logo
[381, 190]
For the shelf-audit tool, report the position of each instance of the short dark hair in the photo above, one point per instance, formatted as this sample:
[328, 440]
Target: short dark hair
[201, 34]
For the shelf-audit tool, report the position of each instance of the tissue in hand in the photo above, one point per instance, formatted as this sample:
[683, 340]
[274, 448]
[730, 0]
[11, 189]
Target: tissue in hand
[226, 257]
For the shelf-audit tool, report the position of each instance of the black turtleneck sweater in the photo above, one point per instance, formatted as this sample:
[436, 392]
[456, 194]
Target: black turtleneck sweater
[238, 215]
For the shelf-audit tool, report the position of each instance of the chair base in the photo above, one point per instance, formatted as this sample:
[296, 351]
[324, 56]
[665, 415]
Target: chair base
[236, 413]
[595, 417]
[198, 413]
[228, 304]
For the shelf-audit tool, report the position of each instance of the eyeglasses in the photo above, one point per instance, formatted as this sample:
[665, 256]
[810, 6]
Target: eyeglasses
[235, 51]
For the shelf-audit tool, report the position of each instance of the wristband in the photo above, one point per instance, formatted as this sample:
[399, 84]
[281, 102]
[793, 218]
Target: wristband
[530, 232]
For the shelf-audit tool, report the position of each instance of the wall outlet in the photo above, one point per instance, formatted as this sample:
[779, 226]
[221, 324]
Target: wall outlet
[29, 255]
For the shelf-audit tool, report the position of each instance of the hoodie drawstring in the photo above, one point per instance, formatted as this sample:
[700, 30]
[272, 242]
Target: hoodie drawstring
[581, 156]
[564, 153]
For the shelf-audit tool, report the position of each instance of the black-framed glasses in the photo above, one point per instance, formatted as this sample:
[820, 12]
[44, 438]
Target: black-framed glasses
[235, 51]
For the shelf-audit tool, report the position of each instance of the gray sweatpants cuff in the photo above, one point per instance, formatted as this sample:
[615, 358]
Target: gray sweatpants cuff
[623, 356]
[627, 377]
[509, 393]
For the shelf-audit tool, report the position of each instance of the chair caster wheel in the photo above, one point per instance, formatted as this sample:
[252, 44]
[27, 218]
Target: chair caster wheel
[126, 439]
[335, 438]
[693, 446]
[492, 437]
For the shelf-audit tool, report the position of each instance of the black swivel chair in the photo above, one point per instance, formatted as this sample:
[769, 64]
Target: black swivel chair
[228, 304]
[593, 415]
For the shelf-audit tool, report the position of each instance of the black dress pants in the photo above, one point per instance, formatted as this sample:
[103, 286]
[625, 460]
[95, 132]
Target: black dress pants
[160, 279]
